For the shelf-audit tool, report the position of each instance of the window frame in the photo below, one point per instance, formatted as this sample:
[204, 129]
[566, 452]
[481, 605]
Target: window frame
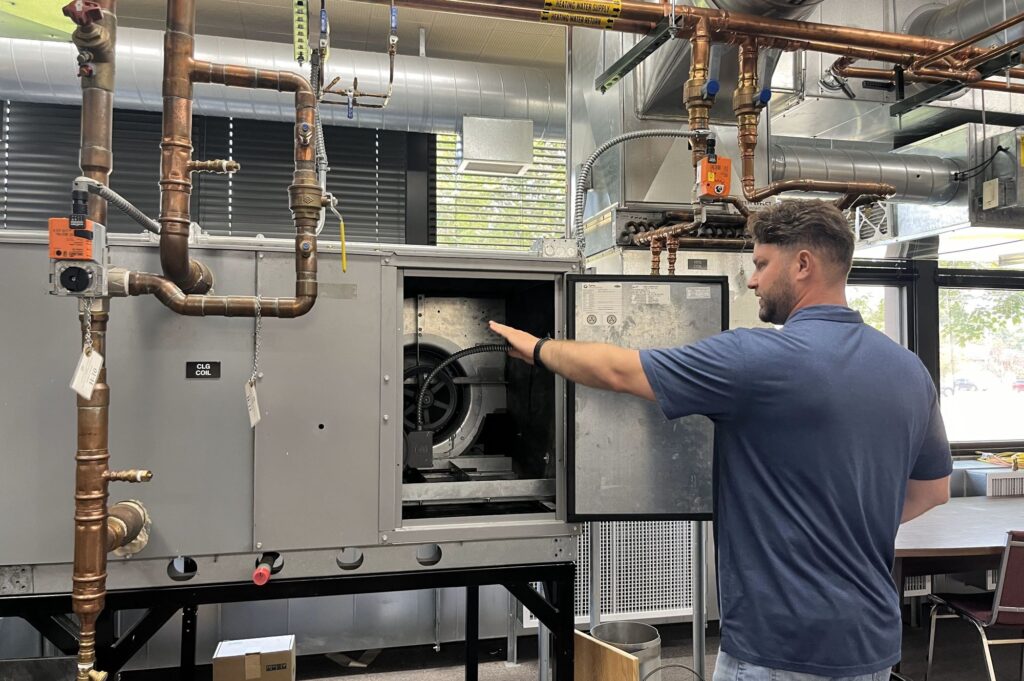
[975, 279]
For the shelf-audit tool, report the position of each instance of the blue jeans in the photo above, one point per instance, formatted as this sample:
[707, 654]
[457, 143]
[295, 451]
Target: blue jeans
[728, 668]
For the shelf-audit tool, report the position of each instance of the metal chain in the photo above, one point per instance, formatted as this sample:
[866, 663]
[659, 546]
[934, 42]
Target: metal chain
[87, 323]
[256, 351]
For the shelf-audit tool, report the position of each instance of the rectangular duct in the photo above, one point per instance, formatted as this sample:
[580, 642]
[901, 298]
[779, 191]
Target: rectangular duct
[973, 147]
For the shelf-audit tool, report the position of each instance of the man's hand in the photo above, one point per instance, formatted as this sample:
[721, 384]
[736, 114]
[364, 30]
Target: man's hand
[522, 343]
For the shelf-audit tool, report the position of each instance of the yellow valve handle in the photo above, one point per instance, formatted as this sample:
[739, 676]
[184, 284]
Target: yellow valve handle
[344, 254]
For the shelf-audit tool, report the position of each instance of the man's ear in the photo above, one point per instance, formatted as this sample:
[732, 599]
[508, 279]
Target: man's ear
[805, 263]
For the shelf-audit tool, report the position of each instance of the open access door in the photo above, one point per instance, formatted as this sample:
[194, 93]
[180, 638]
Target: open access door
[625, 460]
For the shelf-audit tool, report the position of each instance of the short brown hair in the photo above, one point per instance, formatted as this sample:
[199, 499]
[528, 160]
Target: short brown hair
[815, 225]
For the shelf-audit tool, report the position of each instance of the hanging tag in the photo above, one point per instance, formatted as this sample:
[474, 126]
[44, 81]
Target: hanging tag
[252, 404]
[87, 373]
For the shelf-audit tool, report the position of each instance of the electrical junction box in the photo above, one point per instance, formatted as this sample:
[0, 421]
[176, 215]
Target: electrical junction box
[495, 146]
[999, 164]
[714, 177]
[555, 248]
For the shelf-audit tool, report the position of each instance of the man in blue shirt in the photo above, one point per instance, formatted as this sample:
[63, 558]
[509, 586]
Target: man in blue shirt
[827, 436]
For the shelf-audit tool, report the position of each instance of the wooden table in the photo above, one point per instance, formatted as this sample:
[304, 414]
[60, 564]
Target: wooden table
[964, 527]
[964, 535]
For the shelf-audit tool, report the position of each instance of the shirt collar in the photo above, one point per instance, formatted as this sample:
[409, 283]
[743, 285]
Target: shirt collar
[828, 313]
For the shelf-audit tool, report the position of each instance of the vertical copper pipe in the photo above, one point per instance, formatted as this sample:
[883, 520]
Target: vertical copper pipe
[697, 102]
[95, 41]
[747, 110]
[672, 244]
[655, 257]
[89, 580]
[176, 152]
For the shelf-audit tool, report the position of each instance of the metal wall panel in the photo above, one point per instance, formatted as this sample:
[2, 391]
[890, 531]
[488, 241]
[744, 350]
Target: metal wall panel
[319, 396]
[193, 434]
[39, 345]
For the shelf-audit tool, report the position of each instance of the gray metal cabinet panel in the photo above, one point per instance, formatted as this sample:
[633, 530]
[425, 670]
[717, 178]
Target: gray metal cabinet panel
[39, 345]
[316, 457]
[626, 460]
[193, 434]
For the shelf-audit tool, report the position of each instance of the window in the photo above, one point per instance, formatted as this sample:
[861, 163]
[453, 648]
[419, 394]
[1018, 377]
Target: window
[881, 307]
[369, 170]
[981, 355]
[485, 211]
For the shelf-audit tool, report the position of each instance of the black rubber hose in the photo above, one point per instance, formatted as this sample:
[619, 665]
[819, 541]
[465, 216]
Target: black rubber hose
[475, 350]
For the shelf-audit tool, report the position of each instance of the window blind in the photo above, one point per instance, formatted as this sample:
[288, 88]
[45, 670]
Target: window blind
[485, 211]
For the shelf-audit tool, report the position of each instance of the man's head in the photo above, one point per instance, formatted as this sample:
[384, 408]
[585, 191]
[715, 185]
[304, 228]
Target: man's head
[803, 251]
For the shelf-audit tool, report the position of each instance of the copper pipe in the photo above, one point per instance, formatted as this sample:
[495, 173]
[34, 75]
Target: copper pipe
[829, 186]
[674, 231]
[142, 283]
[737, 203]
[747, 110]
[994, 52]
[726, 26]
[967, 42]
[218, 166]
[125, 522]
[887, 75]
[176, 152]
[655, 257]
[89, 578]
[95, 41]
[697, 101]
[672, 244]
[738, 243]
[186, 280]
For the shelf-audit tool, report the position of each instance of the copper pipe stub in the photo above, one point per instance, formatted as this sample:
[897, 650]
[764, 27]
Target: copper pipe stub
[219, 166]
[655, 257]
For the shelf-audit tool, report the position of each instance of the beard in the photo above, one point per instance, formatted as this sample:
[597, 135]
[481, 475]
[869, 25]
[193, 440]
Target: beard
[777, 305]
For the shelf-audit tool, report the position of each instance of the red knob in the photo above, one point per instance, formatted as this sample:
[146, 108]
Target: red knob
[261, 575]
[83, 12]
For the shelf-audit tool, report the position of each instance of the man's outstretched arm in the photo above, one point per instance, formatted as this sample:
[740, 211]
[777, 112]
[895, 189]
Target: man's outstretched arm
[597, 365]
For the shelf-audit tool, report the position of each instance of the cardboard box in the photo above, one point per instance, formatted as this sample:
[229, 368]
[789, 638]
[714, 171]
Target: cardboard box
[255, 659]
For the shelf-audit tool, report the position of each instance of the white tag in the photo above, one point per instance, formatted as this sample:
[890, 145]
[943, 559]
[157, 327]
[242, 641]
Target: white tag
[698, 293]
[87, 373]
[252, 404]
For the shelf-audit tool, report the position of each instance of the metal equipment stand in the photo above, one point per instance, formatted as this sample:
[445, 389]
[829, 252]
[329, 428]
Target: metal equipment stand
[48, 613]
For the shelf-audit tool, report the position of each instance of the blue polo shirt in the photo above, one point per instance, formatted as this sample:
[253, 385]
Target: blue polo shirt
[818, 427]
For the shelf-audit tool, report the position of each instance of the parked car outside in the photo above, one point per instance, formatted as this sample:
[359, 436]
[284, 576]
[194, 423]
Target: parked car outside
[961, 385]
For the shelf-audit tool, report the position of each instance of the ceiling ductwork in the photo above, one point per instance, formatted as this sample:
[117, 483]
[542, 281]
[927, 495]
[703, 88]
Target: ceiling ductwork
[963, 19]
[917, 178]
[432, 95]
[661, 77]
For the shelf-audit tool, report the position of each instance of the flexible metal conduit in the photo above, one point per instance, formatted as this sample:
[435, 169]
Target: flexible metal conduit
[421, 405]
[916, 178]
[580, 196]
[121, 203]
[967, 17]
[433, 94]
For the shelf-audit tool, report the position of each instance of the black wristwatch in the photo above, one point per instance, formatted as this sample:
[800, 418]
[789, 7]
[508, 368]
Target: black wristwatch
[537, 361]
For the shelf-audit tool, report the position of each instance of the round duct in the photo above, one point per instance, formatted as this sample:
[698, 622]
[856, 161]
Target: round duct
[431, 95]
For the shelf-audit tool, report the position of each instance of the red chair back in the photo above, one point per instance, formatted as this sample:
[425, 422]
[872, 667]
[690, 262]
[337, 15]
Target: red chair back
[1008, 605]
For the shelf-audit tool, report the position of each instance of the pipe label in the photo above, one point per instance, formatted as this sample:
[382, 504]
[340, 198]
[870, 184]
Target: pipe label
[252, 404]
[601, 7]
[577, 19]
[87, 373]
[202, 369]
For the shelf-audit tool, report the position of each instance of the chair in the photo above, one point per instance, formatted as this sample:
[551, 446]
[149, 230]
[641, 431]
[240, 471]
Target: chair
[1004, 609]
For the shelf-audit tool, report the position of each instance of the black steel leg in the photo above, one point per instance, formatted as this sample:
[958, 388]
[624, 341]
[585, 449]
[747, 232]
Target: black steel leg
[563, 598]
[189, 617]
[472, 632]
